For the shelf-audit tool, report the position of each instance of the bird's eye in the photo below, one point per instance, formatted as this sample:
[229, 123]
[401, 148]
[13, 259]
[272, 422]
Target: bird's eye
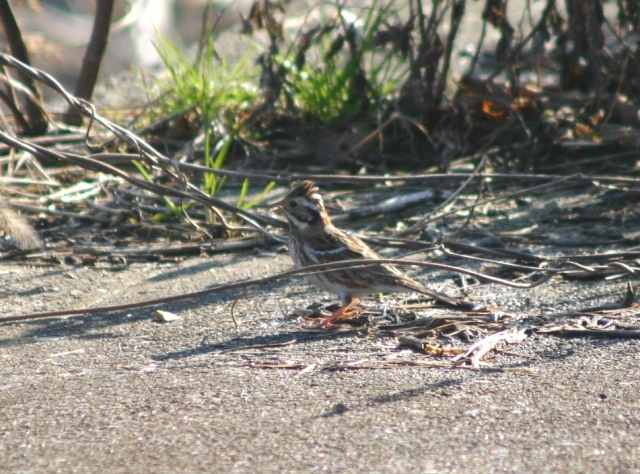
[293, 204]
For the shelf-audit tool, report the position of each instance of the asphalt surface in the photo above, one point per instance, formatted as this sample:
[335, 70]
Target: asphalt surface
[122, 392]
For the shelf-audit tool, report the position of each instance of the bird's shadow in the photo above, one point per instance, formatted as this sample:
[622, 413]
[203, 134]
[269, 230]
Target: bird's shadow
[239, 343]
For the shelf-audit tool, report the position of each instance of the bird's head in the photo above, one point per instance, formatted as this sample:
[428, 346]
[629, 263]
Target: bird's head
[304, 207]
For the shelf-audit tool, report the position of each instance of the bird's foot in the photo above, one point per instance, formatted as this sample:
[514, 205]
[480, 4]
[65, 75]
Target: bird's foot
[331, 322]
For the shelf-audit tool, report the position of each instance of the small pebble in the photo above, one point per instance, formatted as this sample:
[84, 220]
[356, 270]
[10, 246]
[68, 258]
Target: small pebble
[166, 316]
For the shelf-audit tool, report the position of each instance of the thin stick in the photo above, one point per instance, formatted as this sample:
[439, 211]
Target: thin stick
[612, 333]
[28, 182]
[325, 267]
[54, 212]
[235, 302]
[258, 346]
[193, 193]
[538, 188]
[420, 224]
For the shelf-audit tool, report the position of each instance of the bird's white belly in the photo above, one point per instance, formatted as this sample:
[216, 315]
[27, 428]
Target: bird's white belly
[320, 280]
[325, 284]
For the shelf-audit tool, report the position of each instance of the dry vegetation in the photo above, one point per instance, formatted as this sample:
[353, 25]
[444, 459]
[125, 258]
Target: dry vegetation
[536, 146]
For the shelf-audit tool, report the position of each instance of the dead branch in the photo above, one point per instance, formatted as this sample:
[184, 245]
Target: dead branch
[92, 58]
[92, 164]
[477, 351]
[608, 333]
[34, 119]
[299, 272]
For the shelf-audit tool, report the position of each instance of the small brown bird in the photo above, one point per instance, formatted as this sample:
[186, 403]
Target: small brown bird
[314, 240]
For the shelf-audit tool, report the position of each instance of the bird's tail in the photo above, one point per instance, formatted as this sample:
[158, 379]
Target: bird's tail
[445, 299]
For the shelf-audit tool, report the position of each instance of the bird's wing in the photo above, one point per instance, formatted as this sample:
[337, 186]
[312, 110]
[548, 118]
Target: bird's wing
[356, 248]
[337, 246]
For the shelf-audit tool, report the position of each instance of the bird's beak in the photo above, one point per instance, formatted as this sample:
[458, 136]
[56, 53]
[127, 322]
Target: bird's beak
[278, 206]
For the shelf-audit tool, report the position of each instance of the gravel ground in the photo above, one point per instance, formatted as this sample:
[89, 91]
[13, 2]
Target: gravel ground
[121, 392]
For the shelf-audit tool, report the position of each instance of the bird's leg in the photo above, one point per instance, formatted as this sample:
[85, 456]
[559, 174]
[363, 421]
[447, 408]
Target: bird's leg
[328, 322]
